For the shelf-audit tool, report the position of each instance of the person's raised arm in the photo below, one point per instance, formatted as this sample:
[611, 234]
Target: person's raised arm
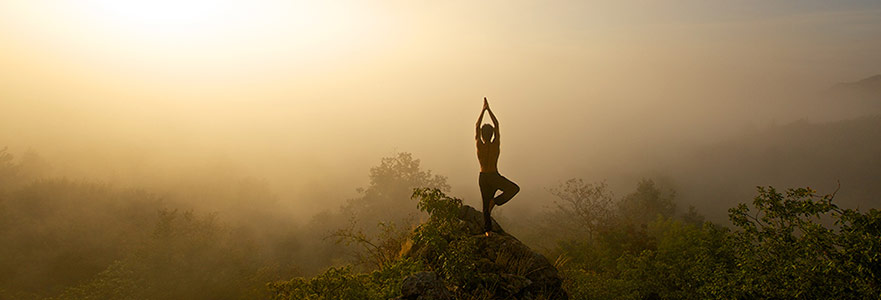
[480, 120]
[495, 121]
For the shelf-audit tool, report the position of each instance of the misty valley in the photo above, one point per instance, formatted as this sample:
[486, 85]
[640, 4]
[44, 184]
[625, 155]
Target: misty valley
[406, 235]
[440, 150]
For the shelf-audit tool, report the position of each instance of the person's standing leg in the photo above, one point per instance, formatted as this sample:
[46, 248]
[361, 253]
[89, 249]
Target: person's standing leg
[487, 191]
[509, 190]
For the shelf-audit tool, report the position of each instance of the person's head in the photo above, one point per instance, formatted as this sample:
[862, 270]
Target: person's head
[486, 132]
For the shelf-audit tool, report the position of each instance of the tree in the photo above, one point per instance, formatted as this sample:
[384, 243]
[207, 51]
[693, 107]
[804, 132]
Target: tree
[582, 209]
[374, 251]
[647, 203]
[8, 168]
[385, 201]
[391, 185]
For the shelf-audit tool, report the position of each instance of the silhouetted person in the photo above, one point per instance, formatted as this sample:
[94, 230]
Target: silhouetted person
[490, 180]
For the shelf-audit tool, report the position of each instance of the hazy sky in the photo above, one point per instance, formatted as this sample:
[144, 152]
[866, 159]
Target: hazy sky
[312, 93]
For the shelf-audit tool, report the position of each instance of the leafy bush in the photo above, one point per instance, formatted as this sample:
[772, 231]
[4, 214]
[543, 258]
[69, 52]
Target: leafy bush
[374, 251]
[385, 283]
[344, 283]
[786, 249]
[796, 245]
[669, 259]
[386, 200]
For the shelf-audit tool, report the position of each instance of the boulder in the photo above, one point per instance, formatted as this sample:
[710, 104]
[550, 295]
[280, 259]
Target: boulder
[503, 267]
[424, 286]
[523, 273]
[472, 219]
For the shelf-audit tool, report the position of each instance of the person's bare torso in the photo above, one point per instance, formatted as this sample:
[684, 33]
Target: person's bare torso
[488, 156]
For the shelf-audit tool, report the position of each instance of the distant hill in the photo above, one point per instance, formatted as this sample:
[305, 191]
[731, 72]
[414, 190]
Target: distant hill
[844, 101]
[868, 87]
[798, 154]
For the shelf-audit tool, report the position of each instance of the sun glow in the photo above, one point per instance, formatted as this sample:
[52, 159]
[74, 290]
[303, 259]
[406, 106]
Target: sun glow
[297, 22]
[200, 37]
[165, 16]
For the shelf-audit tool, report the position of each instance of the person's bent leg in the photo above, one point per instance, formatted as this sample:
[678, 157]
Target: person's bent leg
[509, 190]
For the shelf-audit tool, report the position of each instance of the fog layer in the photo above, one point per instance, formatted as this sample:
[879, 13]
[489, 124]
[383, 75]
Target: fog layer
[598, 90]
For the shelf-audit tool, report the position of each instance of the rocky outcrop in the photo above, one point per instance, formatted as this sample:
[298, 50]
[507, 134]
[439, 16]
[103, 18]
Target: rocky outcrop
[472, 220]
[424, 286]
[523, 273]
[498, 266]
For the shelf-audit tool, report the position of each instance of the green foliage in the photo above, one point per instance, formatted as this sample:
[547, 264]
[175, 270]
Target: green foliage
[785, 242]
[186, 257]
[597, 230]
[681, 264]
[385, 282]
[442, 245]
[335, 283]
[56, 233]
[344, 283]
[647, 203]
[442, 208]
[385, 201]
[442, 237]
[66, 239]
[588, 284]
[796, 245]
[387, 198]
[582, 209]
[669, 259]
[374, 251]
[466, 264]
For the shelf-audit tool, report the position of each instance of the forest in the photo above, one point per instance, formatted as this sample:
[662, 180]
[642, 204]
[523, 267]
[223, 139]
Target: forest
[76, 239]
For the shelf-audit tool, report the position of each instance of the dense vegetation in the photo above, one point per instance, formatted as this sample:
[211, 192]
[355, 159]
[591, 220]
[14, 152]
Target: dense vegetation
[69, 239]
[795, 244]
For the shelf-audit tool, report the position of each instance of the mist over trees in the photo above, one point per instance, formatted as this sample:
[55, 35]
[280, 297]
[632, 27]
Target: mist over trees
[276, 149]
[77, 239]
[780, 247]
[821, 155]
[227, 235]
